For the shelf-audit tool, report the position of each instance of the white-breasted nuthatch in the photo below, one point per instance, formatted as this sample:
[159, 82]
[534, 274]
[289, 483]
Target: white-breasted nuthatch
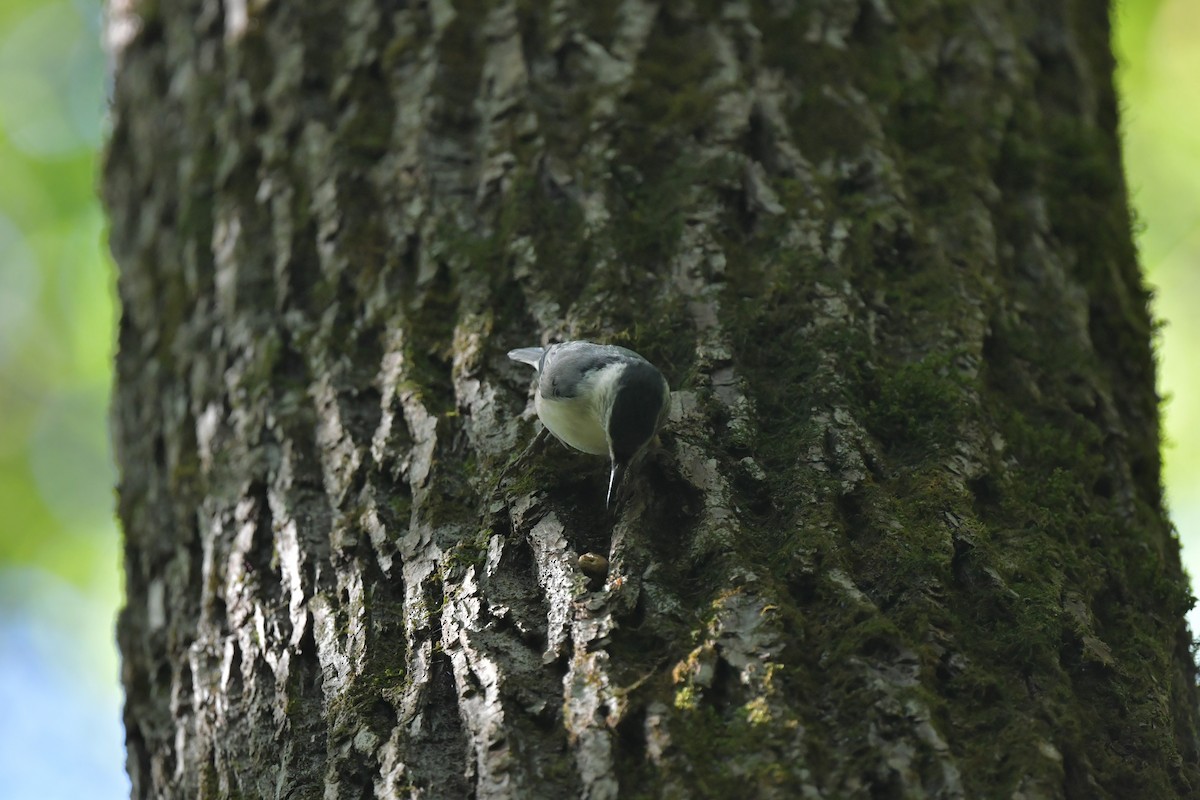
[598, 398]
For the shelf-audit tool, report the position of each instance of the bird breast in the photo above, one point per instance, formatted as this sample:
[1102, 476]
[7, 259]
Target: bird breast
[575, 421]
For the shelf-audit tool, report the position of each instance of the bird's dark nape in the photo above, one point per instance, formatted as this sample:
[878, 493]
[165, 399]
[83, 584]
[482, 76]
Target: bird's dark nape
[636, 410]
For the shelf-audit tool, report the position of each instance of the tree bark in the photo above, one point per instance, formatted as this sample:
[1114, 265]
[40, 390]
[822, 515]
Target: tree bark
[903, 536]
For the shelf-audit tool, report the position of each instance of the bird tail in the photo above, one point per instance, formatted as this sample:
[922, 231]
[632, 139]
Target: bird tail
[528, 355]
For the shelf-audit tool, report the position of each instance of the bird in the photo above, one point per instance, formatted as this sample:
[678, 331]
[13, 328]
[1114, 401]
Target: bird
[598, 398]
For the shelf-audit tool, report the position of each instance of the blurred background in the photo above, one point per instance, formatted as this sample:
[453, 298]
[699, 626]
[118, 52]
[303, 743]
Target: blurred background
[60, 728]
[60, 723]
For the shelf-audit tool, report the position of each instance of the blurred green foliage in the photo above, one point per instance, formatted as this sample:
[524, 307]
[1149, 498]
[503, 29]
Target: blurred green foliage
[1158, 50]
[59, 545]
[56, 298]
[57, 301]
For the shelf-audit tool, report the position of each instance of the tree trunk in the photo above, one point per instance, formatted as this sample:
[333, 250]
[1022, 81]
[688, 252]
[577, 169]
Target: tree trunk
[902, 537]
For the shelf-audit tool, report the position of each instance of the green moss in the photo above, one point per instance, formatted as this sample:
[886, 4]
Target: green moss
[671, 88]
[920, 408]
[648, 216]
[600, 21]
[672, 98]
[363, 133]
[555, 225]
[432, 309]
[469, 552]
[665, 340]
[460, 67]
[735, 754]
[385, 674]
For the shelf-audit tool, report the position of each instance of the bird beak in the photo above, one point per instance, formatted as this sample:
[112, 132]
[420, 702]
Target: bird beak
[614, 480]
